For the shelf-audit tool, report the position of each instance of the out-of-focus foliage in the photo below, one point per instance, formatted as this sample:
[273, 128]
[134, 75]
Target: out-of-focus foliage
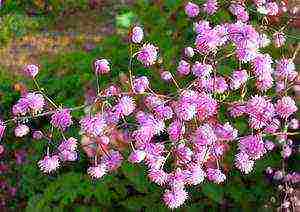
[65, 77]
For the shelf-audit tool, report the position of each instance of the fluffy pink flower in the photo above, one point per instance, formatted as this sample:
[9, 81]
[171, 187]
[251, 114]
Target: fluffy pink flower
[137, 156]
[225, 132]
[210, 7]
[31, 70]
[285, 107]
[62, 119]
[70, 144]
[93, 125]
[240, 12]
[175, 198]
[158, 176]
[185, 110]
[21, 130]
[202, 27]
[201, 69]
[176, 130]
[217, 84]
[191, 9]
[97, 171]
[285, 69]
[205, 135]
[215, 175]
[35, 101]
[195, 175]
[253, 146]
[147, 54]
[183, 68]
[272, 8]
[137, 34]
[244, 163]
[49, 163]
[113, 160]
[166, 75]
[101, 66]
[140, 85]
[238, 78]
[126, 105]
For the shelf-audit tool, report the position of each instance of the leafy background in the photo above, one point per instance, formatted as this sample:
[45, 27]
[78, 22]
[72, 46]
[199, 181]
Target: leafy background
[64, 37]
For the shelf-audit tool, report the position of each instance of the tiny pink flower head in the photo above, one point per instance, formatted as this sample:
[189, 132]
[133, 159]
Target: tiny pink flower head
[49, 163]
[175, 198]
[35, 101]
[210, 7]
[67, 155]
[137, 34]
[113, 160]
[101, 66]
[253, 146]
[140, 85]
[239, 77]
[70, 144]
[2, 129]
[285, 69]
[62, 119]
[137, 156]
[37, 134]
[272, 8]
[189, 52]
[215, 175]
[286, 151]
[191, 9]
[147, 54]
[279, 39]
[201, 69]
[183, 68]
[166, 75]
[269, 145]
[294, 124]
[21, 130]
[1, 149]
[244, 163]
[158, 176]
[31, 70]
[97, 171]
[126, 105]
[285, 107]
[195, 175]
[176, 130]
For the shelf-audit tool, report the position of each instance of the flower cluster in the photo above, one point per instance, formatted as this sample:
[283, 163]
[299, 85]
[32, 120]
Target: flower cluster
[182, 139]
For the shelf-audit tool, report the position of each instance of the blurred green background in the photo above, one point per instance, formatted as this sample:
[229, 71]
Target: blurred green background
[64, 37]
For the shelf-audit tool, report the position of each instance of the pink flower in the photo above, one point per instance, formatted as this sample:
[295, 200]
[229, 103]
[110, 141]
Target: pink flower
[205, 135]
[93, 125]
[175, 198]
[158, 176]
[21, 130]
[272, 8]
[279, 39]
[195, 175]
[183, 68]
[225, 132]
[185, 110]
[285, 107]
[166, 76]
[113, 160]
[37, 134]
[101, 66]
[244, 163]
[239, 77]
[137, 156]
[140, 85]
[70, 144]
[97, 171]
[215, 175]
[201, 69]
[147, 54]
[62, 119]
[189, 52]
[176, 130]
[217, 84]
[191, 9]
[202, 27]
[35, 101]
[137, 34]
[49, 163]
[31, 70]
[253, 146]
[285, 69]
[210, 7]
[294, 124]
[126, 105]
[240, 12]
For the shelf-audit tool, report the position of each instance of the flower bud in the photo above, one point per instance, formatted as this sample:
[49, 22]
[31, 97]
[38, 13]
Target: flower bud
[31, 70]
[137, 34]
[101, 66]
[21, 130]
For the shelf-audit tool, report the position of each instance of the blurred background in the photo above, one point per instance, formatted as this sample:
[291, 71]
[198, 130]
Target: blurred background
[64, 37]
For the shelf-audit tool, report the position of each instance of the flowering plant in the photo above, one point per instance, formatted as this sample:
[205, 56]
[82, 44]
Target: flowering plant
[180, 136]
